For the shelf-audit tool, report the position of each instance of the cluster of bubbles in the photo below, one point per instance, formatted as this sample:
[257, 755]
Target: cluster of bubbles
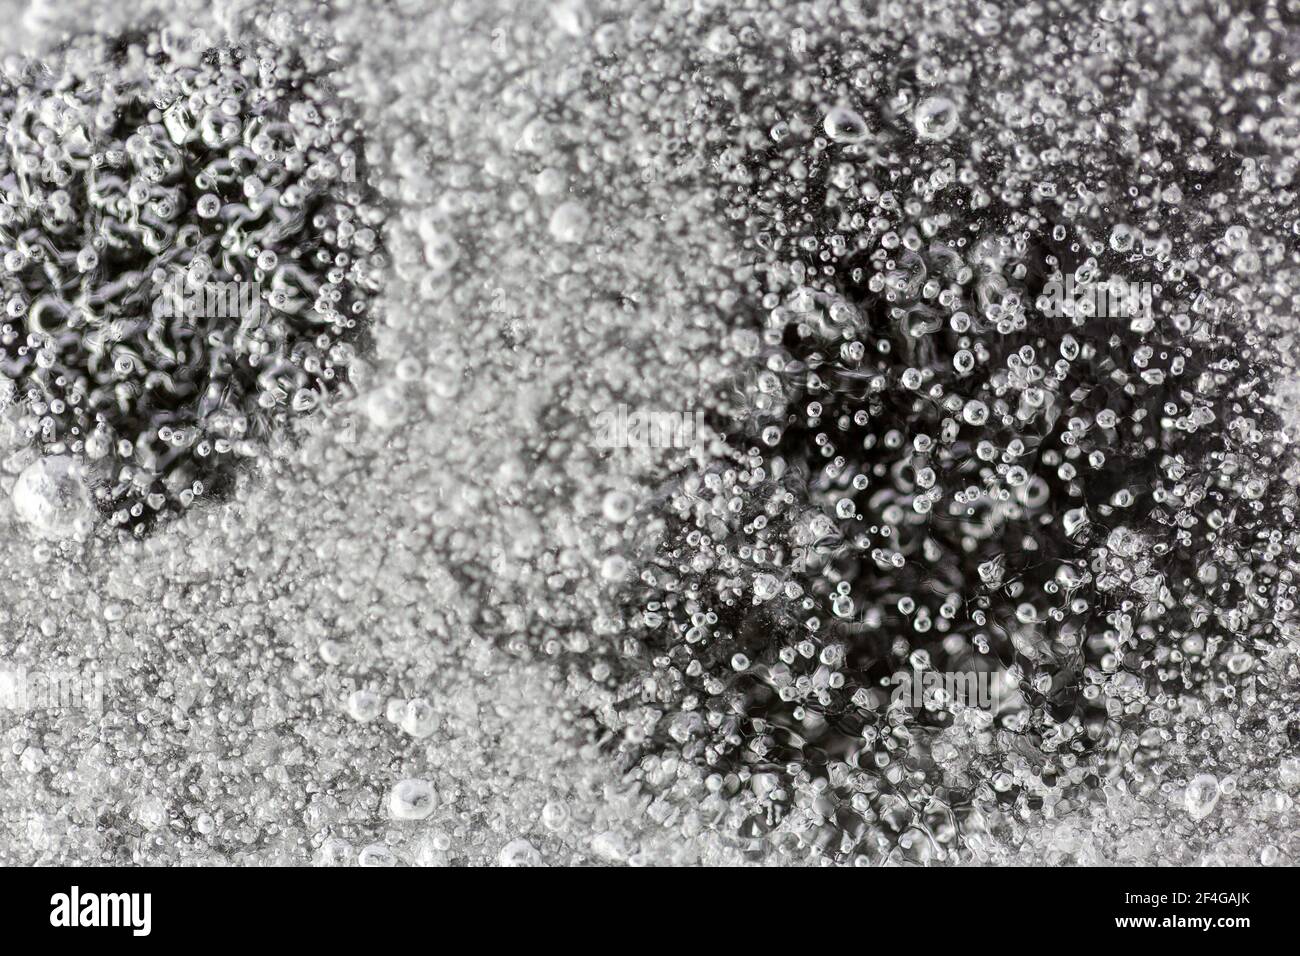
[188, 252]
[932, 475]
[932, 464]
[306, 671]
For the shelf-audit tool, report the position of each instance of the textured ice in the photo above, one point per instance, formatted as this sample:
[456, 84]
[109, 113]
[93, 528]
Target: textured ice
[447, 621]
[50, 496]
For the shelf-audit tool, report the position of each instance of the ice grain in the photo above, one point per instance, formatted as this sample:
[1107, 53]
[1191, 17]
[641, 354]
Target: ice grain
[858, 261]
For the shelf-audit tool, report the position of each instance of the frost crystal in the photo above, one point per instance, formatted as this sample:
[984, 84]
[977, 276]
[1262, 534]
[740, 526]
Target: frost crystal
[636, 432]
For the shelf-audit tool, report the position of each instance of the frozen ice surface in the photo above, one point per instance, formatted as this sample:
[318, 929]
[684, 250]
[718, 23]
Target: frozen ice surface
[483, 614]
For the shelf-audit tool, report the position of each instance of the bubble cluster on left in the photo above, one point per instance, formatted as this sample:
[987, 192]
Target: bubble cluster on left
[189, 253]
